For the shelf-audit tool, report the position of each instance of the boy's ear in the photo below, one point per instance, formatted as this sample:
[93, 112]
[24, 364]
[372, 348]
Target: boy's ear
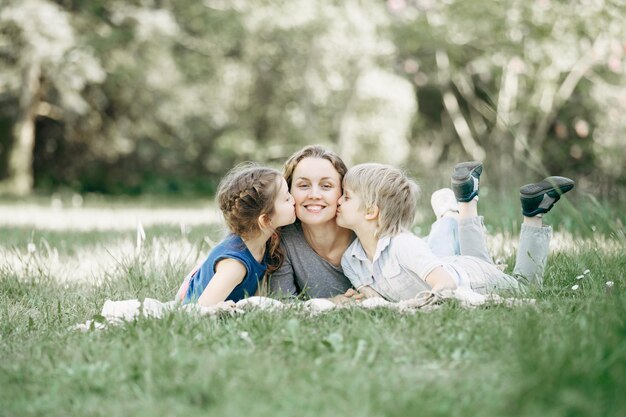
[371, 213]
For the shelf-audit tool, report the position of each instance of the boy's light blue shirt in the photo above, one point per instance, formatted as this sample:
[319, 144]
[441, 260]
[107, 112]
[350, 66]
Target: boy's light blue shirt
[400, 265]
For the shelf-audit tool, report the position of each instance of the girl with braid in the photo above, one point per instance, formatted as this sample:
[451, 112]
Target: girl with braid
[255, 201]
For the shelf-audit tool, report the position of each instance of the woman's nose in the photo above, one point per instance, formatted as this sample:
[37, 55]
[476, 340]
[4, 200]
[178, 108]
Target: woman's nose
[314, 192]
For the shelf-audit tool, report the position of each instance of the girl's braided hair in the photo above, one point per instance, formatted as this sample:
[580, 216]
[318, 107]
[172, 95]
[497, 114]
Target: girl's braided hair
[246, 193]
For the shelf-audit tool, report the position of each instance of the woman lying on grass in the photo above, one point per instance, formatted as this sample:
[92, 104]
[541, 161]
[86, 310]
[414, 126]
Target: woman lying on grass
[255, 201]
[386, 260]
[314, 244]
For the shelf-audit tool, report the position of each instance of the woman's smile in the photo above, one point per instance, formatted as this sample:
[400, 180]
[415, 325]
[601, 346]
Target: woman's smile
[316, 187]
[314, 208]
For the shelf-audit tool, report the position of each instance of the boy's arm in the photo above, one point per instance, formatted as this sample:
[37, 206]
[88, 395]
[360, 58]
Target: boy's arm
[439, 279]
[228, 274]
[415, 255]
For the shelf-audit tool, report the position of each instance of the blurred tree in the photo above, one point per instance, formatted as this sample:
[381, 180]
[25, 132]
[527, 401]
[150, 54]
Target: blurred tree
[192, 88]
[509, 76]
[132, 96]
[42, 53]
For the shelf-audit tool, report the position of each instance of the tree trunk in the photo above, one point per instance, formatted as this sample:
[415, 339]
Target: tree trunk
[20, 163]
[451, 104]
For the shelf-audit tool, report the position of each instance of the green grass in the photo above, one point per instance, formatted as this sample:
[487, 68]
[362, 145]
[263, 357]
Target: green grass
[563, 356]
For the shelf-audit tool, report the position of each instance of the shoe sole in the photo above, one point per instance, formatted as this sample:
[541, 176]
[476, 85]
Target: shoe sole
[560, 185]
[463, 171]
[533, 195]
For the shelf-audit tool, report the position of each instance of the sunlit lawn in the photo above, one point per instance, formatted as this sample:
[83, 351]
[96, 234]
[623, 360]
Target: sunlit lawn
[563, 356]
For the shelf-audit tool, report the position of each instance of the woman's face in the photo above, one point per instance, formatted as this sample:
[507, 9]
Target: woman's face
[316, 187]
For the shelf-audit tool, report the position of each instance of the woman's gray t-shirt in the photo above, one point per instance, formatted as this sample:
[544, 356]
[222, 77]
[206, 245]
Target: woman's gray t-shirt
[303, 271]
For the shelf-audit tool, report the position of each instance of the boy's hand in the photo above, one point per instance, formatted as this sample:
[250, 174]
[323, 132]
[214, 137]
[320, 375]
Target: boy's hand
[368, 292]
[341, 299]
[350, 296]
[354, 294]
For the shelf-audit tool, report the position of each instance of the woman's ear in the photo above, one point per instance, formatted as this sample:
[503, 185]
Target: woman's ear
[371, 213]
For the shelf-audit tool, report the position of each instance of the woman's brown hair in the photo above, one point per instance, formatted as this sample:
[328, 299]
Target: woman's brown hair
[313, 151]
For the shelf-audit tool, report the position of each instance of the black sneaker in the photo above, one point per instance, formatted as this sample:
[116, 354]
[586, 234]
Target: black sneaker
[540, 197]
[465, 179]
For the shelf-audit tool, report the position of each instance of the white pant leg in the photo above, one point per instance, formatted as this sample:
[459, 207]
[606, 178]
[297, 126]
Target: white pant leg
[443, 238]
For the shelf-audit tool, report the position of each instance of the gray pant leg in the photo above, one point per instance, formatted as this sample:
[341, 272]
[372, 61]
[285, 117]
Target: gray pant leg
[472, 238]
[532, 254]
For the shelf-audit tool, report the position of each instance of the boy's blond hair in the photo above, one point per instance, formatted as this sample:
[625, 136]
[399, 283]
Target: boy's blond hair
[387, 188]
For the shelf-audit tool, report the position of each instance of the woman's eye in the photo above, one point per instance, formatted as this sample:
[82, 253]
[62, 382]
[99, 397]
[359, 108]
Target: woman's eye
[327, 186]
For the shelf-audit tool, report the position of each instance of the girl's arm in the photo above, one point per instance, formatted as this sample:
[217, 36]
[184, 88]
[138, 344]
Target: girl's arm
[228, 274]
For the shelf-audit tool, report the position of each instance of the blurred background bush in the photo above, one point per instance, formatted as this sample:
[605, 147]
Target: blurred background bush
[163, 96]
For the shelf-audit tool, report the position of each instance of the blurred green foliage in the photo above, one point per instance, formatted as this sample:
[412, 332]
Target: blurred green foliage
[164, 96]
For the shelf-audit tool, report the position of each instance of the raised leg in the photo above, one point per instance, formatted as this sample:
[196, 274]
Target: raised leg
[537, 199]
[465, 184]
[444, 233]
[444, 237]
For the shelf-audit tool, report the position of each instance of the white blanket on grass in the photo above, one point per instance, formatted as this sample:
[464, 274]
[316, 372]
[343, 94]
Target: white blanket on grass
[117, 312]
